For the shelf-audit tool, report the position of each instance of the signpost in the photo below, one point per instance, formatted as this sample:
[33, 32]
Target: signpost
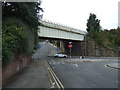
[70, 46]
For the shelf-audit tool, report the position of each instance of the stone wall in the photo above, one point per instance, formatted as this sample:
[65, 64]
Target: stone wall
[94, 49]
[76, 49]
[11, 69]
[90, 48]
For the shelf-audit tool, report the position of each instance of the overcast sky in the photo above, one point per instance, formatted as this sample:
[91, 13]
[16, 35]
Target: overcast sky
[75, 13]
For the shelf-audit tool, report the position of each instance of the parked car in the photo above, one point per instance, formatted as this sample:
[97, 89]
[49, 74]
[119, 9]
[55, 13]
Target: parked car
[60, 55]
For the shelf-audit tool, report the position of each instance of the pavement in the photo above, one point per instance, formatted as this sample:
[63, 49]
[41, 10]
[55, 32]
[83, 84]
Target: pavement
[35, 75]
[111, 65]
[114, 65]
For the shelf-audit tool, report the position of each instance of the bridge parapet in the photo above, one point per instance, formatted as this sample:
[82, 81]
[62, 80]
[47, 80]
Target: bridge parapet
[50, 29]
[51, 24]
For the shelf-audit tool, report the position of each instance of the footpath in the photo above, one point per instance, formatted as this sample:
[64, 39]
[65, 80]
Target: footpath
[35, 75]
[114, 65]
[92, 59]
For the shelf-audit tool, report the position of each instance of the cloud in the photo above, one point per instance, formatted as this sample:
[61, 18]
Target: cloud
[75, 13]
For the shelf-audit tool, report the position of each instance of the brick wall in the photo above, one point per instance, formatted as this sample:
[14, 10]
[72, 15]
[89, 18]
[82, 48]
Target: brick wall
[14, 67]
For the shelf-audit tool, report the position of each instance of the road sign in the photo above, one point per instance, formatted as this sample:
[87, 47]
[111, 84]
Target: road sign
[69, 45]
[39, 46]
[70, 42]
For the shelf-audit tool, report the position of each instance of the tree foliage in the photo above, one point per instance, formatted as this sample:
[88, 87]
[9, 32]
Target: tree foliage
[93, 25]
[22, 10]
[19, 29]
[13, 39]
[109, 38]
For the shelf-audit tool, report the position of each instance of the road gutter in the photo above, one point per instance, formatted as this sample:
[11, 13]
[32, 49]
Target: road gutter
[55, 82]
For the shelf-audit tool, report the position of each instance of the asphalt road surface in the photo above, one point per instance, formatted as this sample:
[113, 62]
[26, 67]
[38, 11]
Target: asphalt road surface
[92, 74]
[46, 49]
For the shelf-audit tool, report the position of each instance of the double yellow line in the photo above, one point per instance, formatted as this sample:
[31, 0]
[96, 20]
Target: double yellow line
[55, 81]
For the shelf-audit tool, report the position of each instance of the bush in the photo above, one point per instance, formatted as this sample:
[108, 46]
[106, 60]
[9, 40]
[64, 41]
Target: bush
[17, 37]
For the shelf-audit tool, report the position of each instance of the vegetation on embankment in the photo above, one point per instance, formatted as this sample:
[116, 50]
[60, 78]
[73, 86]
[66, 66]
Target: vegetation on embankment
[107, 38]
[17, 38]
[19, 29]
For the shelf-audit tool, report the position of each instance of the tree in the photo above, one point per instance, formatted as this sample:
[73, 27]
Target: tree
[93, 24]
[19, 28]
[27, 11]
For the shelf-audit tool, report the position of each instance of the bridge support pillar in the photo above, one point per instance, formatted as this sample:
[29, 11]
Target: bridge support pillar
[60, 44]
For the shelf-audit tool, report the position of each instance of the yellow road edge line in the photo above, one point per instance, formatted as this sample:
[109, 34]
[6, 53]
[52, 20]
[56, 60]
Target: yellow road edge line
[93, 60]
[54, 78]
[57, 79]
[50, 77]
[53, 74]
